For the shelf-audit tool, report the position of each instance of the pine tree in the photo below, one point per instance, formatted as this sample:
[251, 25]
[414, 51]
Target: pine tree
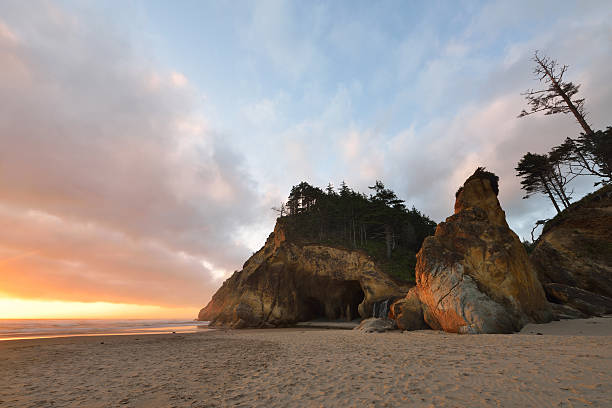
[378, 224]
[387, 202]
[539, 175]
[595, 149]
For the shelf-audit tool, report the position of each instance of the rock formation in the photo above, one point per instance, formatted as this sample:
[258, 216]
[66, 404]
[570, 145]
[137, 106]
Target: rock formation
[408, 312]
[563, 312]
[284, 283]
[473, 275]
[584, 301]
[376, 325]
[575, 248]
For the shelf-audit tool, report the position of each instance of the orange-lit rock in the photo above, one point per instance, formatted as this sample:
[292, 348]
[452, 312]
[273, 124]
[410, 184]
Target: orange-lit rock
[473, 275]
[284, 283]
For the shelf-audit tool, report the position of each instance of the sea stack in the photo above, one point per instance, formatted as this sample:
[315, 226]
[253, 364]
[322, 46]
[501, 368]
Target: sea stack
[474, 275]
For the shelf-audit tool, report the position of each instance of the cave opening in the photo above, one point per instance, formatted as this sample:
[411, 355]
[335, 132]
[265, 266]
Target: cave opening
[332, 300]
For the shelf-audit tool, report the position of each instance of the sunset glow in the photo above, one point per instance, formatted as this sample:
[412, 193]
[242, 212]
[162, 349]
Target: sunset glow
[14, 308]
[284, 203]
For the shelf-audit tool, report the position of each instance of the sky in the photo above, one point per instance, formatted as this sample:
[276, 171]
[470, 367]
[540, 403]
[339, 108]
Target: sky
[145, 142]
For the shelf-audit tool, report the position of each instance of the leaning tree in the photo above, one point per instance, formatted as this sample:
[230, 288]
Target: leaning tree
[558, 96]
[590, 153]
[539, 175]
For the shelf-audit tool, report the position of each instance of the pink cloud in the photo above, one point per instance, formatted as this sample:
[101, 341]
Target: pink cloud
[112, 188]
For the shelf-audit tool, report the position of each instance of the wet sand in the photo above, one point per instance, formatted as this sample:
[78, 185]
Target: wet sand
[311, 367]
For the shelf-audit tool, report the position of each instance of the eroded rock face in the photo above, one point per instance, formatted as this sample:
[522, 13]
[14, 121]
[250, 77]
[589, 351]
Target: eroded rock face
[565, 312]
[408, 312]
[575, 248]
[473, 275]
[284, 283]
[587, 302]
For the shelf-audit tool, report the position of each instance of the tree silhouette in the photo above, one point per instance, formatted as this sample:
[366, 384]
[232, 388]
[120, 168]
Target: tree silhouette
[598, 148]
[281, 210]
[593, 154]
[589, 154]
[557, 96]
[540, 175]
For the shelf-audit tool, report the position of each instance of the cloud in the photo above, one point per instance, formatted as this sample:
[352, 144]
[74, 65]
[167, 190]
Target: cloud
[8, 38]
[484, 130]
[285, 37]
[121, 182]
[262, 112]
[179, 80]
[44, 256]
[113, 184]
[468, 97]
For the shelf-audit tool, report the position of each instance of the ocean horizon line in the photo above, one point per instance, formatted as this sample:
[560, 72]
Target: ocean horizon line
[20, 329]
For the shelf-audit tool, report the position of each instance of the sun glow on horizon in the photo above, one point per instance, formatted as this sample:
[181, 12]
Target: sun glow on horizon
[16, 308]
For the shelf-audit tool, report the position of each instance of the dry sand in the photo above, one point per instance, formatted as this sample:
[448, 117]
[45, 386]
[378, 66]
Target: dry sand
[308, 367]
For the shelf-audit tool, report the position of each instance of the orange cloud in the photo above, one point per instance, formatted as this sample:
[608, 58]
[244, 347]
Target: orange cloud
[103, 198]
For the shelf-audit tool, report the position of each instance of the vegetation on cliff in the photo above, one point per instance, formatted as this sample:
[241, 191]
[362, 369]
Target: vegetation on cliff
[589, 154]
[481, 173]
[379, 224]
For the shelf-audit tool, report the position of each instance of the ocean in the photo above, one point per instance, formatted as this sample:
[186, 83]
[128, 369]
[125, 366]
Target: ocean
[16, 329]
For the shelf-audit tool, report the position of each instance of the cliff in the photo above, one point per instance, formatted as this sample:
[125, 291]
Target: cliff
[284, 283]
[575, 251]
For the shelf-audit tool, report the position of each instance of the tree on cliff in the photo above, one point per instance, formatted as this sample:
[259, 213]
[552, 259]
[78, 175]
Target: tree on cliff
[281, 209]
[303, 197]
[557, 96]
[541, 175]
[589, 154]
[379, 224]
[386, 203]
[597, 148]
[482, 173]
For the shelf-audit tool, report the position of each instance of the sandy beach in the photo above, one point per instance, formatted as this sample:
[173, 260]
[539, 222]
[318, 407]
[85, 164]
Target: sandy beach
[568, 365]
